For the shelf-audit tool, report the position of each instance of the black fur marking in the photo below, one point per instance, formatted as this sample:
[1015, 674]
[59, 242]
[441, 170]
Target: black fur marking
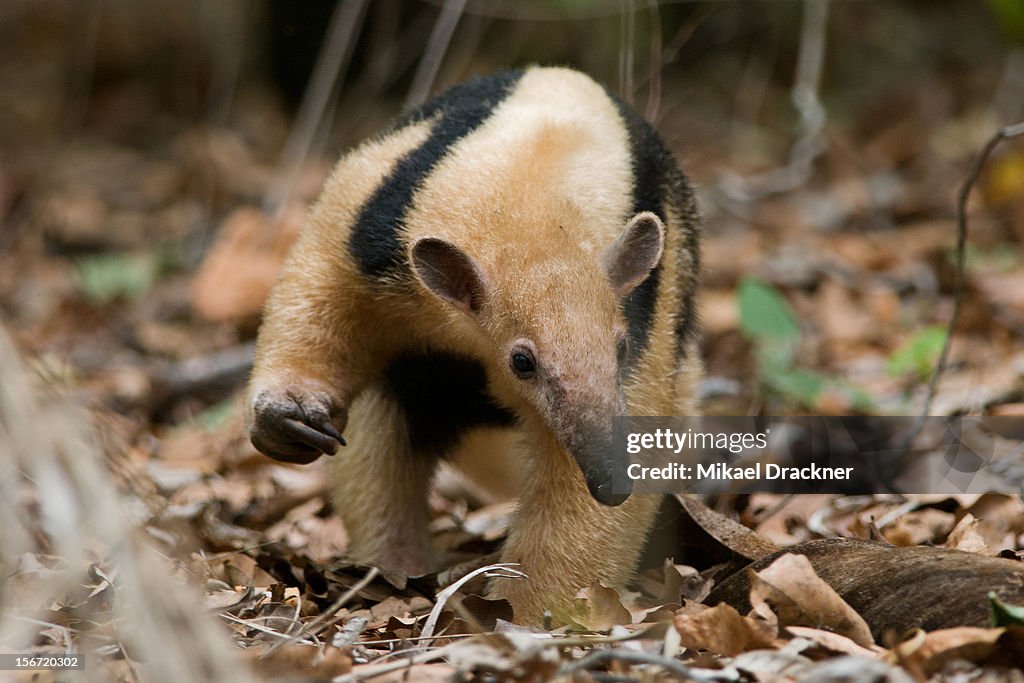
[657, 181]
[443, 396]
[375, 241]
[652, 163]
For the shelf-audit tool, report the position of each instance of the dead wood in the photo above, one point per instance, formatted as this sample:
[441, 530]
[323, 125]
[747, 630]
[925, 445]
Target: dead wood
[897, 589]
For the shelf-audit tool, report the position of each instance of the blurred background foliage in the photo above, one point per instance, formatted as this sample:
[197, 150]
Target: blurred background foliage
[129, 65]
[157, 157]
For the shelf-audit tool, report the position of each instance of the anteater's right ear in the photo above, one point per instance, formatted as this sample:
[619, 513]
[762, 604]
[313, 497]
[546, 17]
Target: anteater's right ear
[635, 253]
[450, 273]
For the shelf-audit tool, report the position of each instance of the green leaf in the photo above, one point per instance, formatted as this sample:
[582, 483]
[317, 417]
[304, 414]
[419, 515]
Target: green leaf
[802, 386]
[217, 416]
[1010, 15]
[1002, 614]
[765, 316]
[860, 400]
[918, 354]
[105, 277]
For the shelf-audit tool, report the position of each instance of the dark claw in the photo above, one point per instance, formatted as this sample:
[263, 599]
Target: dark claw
[307, 435]
[299, 454]
[332, 431]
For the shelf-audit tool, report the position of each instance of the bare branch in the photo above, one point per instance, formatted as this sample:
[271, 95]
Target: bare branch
[505, 569]
[961, 249]
[597, 658]
[437, 46]
[222, 371]
[323, 87]
[627, 34]
[655, 64]
[326, 618]
[805, 96]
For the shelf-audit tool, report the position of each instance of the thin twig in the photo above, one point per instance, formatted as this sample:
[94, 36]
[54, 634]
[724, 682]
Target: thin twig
[371, 670]
[256, 626]
[545, 10]
[563, 640]
[958, 289]
[323, 85]
[350, 633]
[371, 644]
[437, 46]
[504, 569]
[598, 658]
[545, 640]
[224, 370]
[806, 99]
[655, 65]
[326, 618]
[627, 35]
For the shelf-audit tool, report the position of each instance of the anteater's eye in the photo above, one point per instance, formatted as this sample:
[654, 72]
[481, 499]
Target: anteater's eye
[523, 363]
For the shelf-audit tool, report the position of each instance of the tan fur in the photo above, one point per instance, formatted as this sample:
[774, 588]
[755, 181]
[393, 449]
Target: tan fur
[310, 330]
[563, 181]
[494, 461]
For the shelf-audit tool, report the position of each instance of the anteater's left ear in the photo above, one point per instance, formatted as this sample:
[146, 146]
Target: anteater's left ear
[635, 253]
[450, 273]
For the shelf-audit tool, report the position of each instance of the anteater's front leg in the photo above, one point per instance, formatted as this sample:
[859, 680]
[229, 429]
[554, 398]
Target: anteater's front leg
[307, 366]
[564, 540]
[379, 488]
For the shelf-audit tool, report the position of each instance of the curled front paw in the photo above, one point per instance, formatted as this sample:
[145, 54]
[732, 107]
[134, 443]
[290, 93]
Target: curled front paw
[297, 423]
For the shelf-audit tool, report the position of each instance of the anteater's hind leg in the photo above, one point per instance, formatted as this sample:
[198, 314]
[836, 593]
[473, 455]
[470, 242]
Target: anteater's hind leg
[380, 485]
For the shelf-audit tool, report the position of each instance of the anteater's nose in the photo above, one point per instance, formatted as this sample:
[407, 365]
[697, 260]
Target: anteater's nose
[604, 492]
[602, 466]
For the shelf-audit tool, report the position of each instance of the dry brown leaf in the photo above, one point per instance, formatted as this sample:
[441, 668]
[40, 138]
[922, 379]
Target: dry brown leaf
[919, 527]
[1008, 410]
[395, 606]
[194, 448]
[296, 661]
[239, 270]
[788, 516]
[729, 533]
[303, 529]
[928, 652]
[671, 582]
[598, 608]
[657, 614]
[471, 655]
[974, 388]
[1003, 510]
[238, 569]
[967, 537]
[326, 537]
[790, 588]
[421, 673]
[842, 315]
[1005, 289]
[835, 643]
[219, 599]
[718, 310]
[485, 611]
[724, 631]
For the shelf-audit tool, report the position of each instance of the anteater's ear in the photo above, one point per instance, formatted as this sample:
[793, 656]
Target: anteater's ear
[635, 253]
[450, 273]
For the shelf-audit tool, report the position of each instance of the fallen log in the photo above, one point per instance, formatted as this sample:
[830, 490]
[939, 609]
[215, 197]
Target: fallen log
[897, 589]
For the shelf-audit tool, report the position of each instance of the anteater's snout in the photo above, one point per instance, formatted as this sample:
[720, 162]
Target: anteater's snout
[603, 468]
[609, 492]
